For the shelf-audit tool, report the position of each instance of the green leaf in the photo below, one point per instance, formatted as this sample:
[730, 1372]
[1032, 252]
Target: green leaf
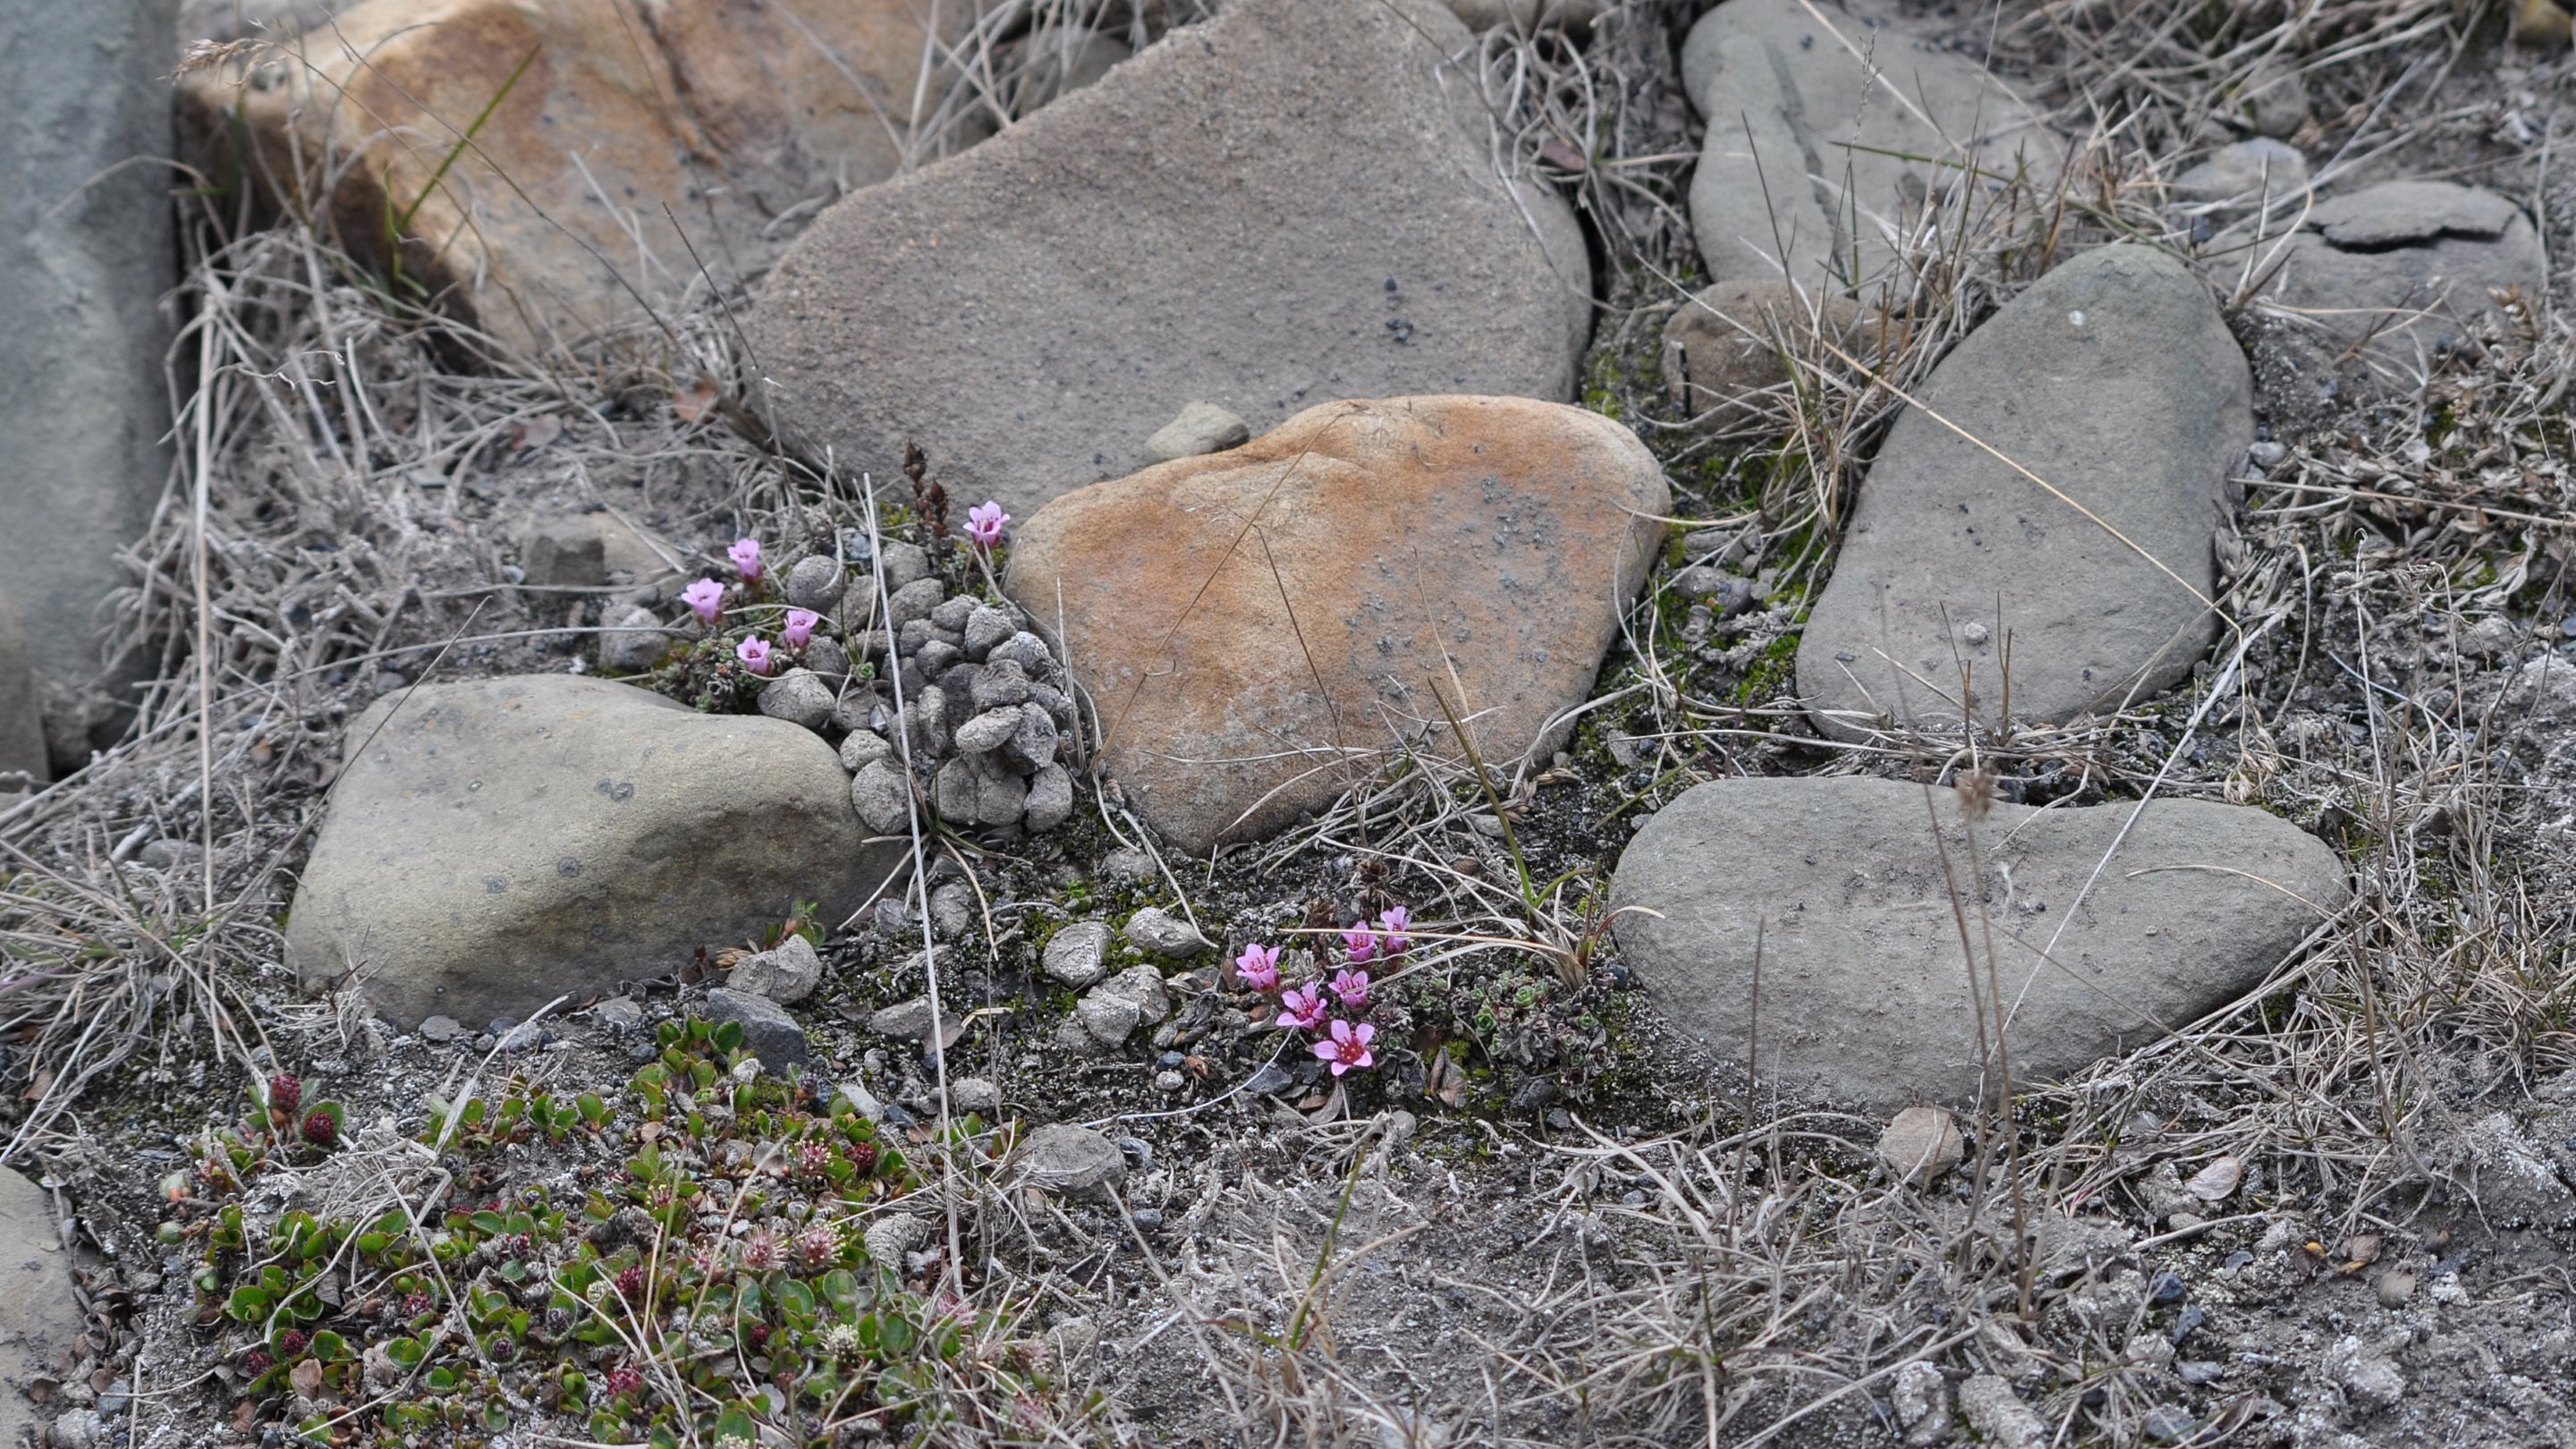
[248, 1304]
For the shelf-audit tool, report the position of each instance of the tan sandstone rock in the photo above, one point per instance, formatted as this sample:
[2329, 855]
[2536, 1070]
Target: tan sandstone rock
[1740, 338]
[552, 223]
[1258, 628]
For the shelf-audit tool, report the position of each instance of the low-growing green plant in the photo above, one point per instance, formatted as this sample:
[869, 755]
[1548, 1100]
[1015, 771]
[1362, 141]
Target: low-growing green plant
[681, 1263]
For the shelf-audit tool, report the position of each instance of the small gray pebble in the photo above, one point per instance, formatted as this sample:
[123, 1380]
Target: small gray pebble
[815, 583]
[1050, 799]
[901, 565]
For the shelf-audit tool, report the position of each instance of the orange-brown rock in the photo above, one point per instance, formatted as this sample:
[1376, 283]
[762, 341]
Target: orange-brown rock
[556, 218]
[1262, 628]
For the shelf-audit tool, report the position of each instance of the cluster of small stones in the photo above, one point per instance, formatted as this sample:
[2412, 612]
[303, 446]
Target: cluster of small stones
[962, 707]
[971, 710]
[1113, 1005]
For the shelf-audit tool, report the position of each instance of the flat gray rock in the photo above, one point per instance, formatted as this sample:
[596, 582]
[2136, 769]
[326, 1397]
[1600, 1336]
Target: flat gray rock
[2400, 213]
[771, 1031]
[1813, 113]
[1074, 1161]
[1865, 994]
[1077, 954]
[1293, 203]
[498, 843]
[40, 1319]
[87, 251]
[2399, 270]
[2114, 379]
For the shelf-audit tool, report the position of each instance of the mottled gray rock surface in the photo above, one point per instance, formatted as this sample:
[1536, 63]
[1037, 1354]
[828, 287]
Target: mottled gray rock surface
[41, 1319]
[2114, 379]
[500, 842]
[1864, 992]
[1813, 115]
[86, 251]
[22, 725]
[1295, 202]
[768, 1029]
[1074, 1161]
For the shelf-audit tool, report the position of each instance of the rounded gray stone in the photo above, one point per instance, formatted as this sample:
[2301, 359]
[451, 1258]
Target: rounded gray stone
[1865, 994]
[1032, 744]
[1158, 932]
[768, 1029]
[1050, 801]
[1107, 1019]
[913, 601]
[986, 627]
[989, 731]
[881, 795]
[1026, 650]
[899, 565]
[1000, 796]
[1077, 953]
[999, 683]
[861, 748]
[498, 843]
[1062, 1158]
[815, 583]
[799, 697]
[1217, 218]
[2115, 380]
[636, 644]
[1201, 428]
[1141, 987]
[955, 792]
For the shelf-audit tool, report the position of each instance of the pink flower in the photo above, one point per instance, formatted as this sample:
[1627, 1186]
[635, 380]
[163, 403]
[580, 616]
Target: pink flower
[745, 554]
[1359, 944]
[1302, 1006]
[1349, 1047]
[754, 654]
[705, 597]
[1259, 967]
[1352, 988]
[1391, 926]
[800, 627]
[984, 523]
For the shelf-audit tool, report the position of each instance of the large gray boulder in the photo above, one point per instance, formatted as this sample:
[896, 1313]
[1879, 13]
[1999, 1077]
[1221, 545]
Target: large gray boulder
[86, 252]
[38, 1317]
[1296, 202]
[1864, 991]
[2115, 380]
[1817, 115]
[22, 726]
[494, 844]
